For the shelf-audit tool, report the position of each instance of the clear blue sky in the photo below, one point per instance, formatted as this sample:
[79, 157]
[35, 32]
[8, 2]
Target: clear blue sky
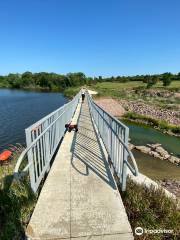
[97, 37]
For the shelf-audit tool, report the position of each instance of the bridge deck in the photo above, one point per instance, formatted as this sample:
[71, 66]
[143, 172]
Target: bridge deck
[79, 198]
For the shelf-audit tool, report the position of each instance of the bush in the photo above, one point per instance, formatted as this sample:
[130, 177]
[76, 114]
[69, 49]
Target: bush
[71, 92]
[16, 203]
[151, 209]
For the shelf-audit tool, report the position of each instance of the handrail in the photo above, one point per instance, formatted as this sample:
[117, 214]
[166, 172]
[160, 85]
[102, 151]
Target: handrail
[46, 117]
[32, 144]
[135, 171]
[42, 139]
[104, 123]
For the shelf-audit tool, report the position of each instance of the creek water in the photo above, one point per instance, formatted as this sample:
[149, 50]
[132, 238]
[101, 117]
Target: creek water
[150, 166]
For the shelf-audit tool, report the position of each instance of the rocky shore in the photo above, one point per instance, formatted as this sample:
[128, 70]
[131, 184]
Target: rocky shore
[156, 150]
[172, 186]
[119, 107]
[172, 117]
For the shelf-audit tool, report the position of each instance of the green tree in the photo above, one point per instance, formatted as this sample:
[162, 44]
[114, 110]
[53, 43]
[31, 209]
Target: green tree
[151, 80]
[77, 79]
[14, 80]
[27, 79]
[166, 79]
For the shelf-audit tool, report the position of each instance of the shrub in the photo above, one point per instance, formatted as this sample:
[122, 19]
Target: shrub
[16, 203]
[151, 209]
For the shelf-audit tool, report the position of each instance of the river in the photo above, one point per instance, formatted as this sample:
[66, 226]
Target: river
[150, 166]
[19, 109]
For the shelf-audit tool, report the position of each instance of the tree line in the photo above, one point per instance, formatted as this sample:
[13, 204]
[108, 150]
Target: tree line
[150, 80]
[44, 80]
[59, 82]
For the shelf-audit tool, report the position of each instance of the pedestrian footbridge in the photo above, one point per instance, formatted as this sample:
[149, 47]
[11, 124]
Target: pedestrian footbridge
[79, 198]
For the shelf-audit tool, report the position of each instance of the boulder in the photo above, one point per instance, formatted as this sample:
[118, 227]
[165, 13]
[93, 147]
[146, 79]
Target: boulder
[173, 159]
[143, 149]
[154, 154]
[154, 146]
[156, 151]
[162, 152]
[131, 146]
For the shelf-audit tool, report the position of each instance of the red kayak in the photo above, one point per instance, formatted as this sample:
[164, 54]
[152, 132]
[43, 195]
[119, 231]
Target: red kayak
[4, 156]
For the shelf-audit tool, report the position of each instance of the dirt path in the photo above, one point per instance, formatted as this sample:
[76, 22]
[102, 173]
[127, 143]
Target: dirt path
[111, 106]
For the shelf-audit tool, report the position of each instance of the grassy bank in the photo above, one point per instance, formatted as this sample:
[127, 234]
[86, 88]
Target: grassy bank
[16, 202]
[71, 91]
[151, 209]
[103, 86]
[160, 124]
[136, 90]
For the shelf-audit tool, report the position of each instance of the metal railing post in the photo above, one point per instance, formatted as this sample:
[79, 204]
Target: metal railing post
[30, 160]
[115, 141]
[125, 159]
[47, 148]
[42, 139]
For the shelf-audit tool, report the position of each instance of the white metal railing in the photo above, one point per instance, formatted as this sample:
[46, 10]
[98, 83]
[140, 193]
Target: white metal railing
[115, 137]
[42, 139]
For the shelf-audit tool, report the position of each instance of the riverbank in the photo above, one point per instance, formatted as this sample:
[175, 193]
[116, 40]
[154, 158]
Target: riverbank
[163, 172]
[172, 186]
[167, 121]
[17, 200]
[159, 125]
[164, 119]
[70, 92]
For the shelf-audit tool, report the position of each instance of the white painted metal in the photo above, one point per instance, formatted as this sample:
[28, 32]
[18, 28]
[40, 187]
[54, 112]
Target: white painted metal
[42, 140]
[115, 137]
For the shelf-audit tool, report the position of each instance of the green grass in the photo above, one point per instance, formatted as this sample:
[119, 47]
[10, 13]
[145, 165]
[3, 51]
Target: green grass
[137, 91]
[119, 86]
[132, 84]
[151, 209]
[71, 91]
[123, 90]
[161, 124]
[173, 85]
[16, 202]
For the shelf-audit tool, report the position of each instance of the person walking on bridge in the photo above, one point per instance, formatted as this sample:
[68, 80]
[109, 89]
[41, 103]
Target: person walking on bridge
[83, 94]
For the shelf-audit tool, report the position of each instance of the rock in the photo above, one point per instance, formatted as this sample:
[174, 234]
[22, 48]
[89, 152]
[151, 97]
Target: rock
[162, 152]
[172, 186]
[157, 151]
[154, 146]
[170, 116]
[131, 146]
[143, 149]
[166, 156]
[154, 154]
[173, 159]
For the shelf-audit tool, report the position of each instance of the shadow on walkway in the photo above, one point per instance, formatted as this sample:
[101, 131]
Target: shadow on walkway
[86, 148]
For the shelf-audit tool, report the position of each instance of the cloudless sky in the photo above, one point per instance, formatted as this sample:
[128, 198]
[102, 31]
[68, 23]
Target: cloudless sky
[97, 37]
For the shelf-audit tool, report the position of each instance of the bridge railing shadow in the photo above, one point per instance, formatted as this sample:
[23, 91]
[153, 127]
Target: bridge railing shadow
[87, 149]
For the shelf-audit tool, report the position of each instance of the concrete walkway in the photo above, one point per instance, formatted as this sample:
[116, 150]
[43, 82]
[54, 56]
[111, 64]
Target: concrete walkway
[79, 199]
